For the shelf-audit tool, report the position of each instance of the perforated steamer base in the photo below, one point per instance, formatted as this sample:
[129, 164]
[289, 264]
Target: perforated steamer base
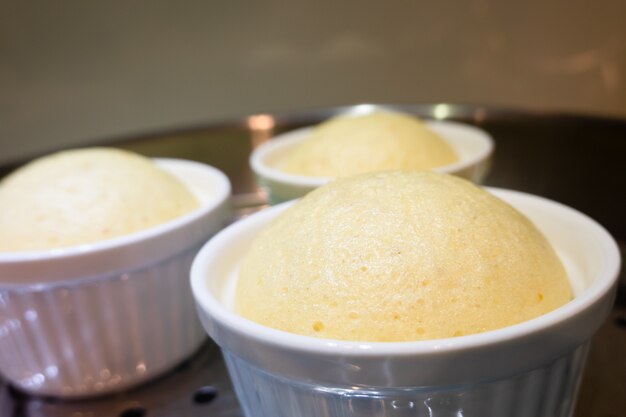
[575, 159]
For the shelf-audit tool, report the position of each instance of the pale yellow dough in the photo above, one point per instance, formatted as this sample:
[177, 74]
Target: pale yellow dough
[349, 145]
[86, 195]
[399, 256]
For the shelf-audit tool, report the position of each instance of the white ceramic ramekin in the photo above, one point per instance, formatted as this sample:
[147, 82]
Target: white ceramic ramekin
[102, 317]
[473, 145]
[529, 369]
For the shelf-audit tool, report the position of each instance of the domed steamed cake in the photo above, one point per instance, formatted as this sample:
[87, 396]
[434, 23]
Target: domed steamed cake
[349, 145]
[86, 195]
[399, 256]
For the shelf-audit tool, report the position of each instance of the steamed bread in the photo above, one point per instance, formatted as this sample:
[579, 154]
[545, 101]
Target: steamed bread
[86, 195]
[349, 145]
[399, 256]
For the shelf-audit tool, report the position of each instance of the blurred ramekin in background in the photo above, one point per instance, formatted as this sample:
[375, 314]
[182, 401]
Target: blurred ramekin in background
[98, 318]
[473, 146]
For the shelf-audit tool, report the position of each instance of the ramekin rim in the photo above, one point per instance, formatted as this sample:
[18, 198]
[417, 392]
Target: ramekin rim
[319, 346]
[222, 193]
[262, 169]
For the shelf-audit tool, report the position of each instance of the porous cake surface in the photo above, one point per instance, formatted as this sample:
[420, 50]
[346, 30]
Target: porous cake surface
[399, 256]
[348, 145]
[86, 195]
